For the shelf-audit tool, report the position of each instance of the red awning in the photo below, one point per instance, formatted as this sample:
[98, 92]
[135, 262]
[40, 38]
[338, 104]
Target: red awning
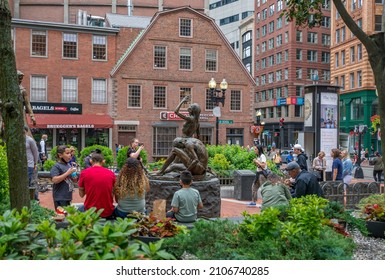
[71, 121]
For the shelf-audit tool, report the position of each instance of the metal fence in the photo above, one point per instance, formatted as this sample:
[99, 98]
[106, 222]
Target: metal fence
[349, 195]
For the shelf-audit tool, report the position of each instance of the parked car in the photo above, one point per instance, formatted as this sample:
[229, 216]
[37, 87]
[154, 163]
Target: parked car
[284, 155]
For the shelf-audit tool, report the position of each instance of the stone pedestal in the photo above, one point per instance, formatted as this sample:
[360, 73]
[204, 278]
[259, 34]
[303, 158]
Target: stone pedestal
[165, 187]
[243, 181]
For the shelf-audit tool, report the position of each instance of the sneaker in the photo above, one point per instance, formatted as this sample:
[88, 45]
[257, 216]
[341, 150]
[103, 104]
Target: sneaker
[252, 204]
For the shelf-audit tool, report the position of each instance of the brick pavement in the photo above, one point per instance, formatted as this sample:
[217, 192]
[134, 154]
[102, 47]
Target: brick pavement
[229, 207]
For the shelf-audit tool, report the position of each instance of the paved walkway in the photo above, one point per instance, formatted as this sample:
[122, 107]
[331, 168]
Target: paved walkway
[229, 207]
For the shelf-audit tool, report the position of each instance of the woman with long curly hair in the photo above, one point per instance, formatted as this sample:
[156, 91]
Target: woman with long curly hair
[130, 189]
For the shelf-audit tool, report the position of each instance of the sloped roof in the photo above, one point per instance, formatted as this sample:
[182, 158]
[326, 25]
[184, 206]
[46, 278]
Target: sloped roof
[116, 20]
[153, 20]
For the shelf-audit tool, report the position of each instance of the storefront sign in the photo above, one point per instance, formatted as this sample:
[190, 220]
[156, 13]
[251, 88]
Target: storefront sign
[56, 108]
[70, 126]
[288, 101]
[171, 116]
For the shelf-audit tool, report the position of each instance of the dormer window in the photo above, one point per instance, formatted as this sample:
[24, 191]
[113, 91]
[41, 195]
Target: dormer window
[185, 27]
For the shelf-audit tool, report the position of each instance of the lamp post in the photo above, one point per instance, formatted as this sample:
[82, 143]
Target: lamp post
[258, 124]
[216, 99]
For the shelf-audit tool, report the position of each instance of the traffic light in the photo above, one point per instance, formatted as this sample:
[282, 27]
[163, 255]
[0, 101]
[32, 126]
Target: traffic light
[281, 122]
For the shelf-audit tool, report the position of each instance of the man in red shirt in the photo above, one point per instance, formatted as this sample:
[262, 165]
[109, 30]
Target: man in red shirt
[96, 184]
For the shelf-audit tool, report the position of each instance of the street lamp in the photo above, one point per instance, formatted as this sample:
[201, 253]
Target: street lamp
[258, 117]
[216, 99]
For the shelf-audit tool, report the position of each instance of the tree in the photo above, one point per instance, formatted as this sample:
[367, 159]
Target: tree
[309, 13]
[12, 113]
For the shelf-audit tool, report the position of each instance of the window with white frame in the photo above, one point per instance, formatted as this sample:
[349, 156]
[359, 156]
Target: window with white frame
[298, 111]
[343, 58]
[299, 90]
[263, 63]
[235, 100]
[264, 46]
[264, 14]
[159, 97]
[38, 88]
[298, 36]
[70, 89]
[271, 10]
[359, 78]
[352, 54]
[325, 57]
[263, 79]
[338, 31]
[39, 43]
[271, 43]
[359, 52]
[185, 27]
[271, 77]
[342, 78]
[163, 138]
[246, 52]
[326, 75]
[278, 92]
[270, 94]
[278, 58]
[134, 99]
[185, 58]
[287, 37]
[279, 40]
[336, 60]
[271, 60]
[286, 55]
[278, 75]
[336, 81]
[311, 73]
[298, 73]
[212, 57]
[325, 39]
[264, 30]
[99, 47]
[206, 135]
[312, 56]
[286, 73]
[326, 22]
[70, 45]
[285, 91]
[209, 104]
[298, 54]
[352, 82]
[271, 26]
[279, 5]
[279, 23]
[99, 91]
[312, 37]
[160, 57]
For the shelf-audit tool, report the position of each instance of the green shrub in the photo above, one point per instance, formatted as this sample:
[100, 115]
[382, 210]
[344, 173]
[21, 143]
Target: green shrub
[293, 232]
[122, 157]
[4, 179]
[107, 154]
[48, 164]
[87, 238]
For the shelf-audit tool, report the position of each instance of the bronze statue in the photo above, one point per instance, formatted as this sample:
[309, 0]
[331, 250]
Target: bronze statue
[27, 104]
[188, 152]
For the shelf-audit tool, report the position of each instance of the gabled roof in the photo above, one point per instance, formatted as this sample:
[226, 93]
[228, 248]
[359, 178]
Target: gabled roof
[161, 13]
[116, 20]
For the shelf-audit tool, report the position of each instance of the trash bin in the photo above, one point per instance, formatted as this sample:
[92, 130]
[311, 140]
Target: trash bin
[243, 180]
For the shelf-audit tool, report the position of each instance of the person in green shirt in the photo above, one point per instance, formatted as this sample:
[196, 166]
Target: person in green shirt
[186, 201]
[274, 192]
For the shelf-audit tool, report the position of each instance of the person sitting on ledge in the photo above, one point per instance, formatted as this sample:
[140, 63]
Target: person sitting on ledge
[185, 202]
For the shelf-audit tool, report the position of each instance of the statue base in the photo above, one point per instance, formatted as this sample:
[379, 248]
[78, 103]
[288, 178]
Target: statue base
[164, 187]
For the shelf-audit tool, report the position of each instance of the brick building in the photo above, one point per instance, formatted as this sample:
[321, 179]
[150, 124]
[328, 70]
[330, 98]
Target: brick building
[165, 64]
[286, 59]
[351, 70]
[66, 73]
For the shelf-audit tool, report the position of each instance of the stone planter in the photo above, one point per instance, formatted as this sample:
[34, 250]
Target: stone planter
[376, 229]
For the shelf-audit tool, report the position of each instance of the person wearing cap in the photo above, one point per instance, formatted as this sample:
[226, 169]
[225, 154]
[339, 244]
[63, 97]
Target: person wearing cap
[301, 156]
[305, 183]
[87, 160]
[185, 202]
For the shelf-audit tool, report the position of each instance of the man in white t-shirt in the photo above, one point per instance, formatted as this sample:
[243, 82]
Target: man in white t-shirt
[43, 150]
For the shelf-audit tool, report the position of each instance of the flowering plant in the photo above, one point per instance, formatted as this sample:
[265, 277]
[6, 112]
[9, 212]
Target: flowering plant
[375, 120]
[373, 207]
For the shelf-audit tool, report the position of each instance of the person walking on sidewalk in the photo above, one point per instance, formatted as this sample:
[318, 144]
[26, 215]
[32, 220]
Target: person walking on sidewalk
[347, 167]
[378, 167]
[260, 162]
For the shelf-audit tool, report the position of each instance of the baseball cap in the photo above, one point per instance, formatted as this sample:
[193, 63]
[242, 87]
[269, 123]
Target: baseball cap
[292, 165]
[297, 146]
